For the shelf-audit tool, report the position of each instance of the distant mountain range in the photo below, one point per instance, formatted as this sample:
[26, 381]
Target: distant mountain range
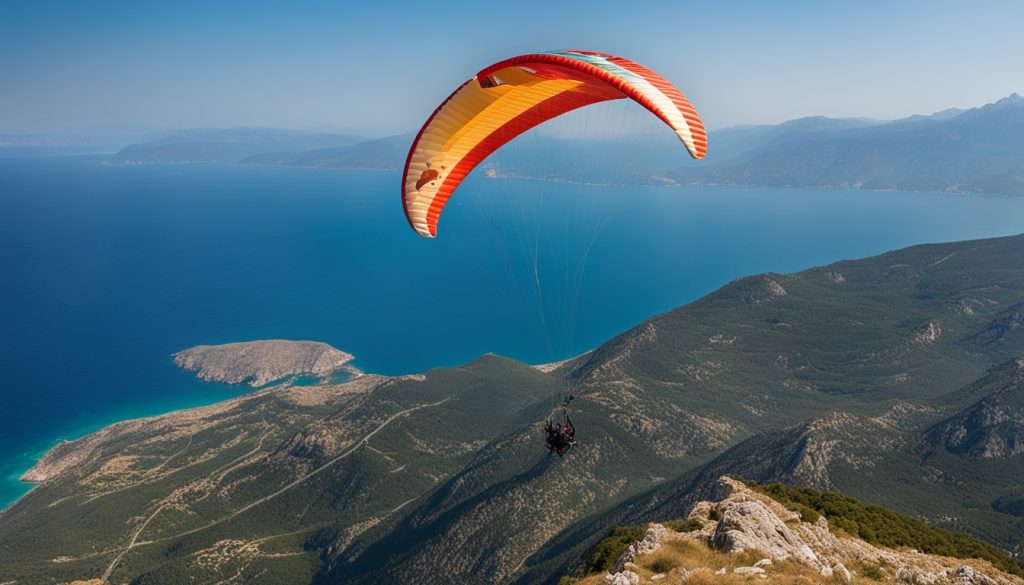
[32, 140]
[381, 154]
[975, 151]
[896, 379]
[226, 146]
[735, 141]
[980, 150]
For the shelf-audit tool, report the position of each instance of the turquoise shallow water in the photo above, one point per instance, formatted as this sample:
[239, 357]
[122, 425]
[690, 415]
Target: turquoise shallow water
[108, 270]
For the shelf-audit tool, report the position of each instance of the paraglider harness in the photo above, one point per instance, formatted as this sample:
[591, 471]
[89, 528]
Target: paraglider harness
[561, 436]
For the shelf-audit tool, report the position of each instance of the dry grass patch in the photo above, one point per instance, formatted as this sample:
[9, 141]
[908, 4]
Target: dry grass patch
[691, 554]
[699, 564]
[706, 576]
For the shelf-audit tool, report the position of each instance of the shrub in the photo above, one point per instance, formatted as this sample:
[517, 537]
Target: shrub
[688, 525]
[662, 564]
[604, 555]
[872, 572]
[807, 513]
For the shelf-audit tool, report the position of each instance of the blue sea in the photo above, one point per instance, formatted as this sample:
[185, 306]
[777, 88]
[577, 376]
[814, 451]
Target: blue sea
[108, 270]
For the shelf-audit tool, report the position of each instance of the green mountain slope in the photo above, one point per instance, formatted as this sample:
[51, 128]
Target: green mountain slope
[225, 489]
[836, 377]
[876, 339]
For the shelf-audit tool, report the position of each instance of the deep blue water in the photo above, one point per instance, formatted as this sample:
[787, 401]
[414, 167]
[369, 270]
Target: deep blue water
[107, 270]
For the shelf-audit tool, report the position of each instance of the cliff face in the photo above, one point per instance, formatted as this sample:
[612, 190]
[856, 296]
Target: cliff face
[260, 362]
[991, 428]
[820, 451]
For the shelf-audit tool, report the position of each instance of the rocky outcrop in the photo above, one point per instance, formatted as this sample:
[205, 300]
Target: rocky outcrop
[260, 362]
[835, 277]
[1000, 327]
[650, 543]
[928, 333]
[739, 519]
[754, 290]
[811, 452]
[622, 578]
[991, 428]
[752, 525]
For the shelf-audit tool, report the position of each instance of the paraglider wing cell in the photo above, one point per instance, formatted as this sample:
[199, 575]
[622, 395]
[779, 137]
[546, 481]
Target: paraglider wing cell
[512, 96]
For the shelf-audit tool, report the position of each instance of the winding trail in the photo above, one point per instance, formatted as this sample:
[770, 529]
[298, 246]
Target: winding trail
[113, 564]
[134, 541]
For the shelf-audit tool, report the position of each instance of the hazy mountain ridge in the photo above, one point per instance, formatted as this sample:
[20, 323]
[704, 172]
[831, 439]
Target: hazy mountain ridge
[625, 159]
[226, 146]
[386, 153]
[830, 376]
[976, 151]
[732, 142]
[962, 151]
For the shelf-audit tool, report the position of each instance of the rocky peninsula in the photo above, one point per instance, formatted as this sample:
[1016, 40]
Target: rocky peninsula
[261, 362]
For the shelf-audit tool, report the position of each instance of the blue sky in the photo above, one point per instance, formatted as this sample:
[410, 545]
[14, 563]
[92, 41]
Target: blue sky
[377, 67]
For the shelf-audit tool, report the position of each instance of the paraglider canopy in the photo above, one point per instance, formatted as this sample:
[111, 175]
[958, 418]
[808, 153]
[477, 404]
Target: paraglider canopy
[510, 97]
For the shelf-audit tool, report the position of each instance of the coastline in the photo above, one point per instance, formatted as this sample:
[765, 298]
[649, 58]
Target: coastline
[659, 181]
[656, 181]
[13, 487]
[156, 394]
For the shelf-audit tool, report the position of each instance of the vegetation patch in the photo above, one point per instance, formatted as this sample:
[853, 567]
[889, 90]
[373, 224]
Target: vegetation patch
[687, 525]
[604, 555]
[872, 572]
[883, 527]
[807, 513]
[1012, 503]
[695, 563]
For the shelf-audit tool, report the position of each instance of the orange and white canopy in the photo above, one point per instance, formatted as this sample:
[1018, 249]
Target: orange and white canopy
[514, 95]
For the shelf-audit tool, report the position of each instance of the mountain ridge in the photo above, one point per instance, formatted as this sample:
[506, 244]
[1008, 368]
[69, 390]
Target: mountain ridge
[976, 150]
[785, 535]
[225, 146]
[445, 476]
